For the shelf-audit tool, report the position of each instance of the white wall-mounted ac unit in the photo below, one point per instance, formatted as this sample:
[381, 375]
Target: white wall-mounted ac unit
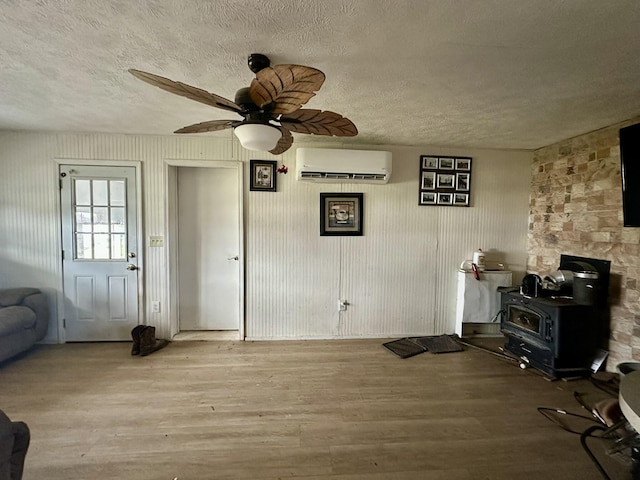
[342, 166]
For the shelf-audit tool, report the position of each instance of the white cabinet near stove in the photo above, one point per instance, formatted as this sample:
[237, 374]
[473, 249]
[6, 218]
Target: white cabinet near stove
[478, 302]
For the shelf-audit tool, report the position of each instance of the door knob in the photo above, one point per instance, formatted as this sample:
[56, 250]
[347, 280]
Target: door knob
[233, 258]
[131, 266]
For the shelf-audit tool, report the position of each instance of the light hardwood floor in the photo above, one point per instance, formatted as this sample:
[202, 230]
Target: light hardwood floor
[340, 409]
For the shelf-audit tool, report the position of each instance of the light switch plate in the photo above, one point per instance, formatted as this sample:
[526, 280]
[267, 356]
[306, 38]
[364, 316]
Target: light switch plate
[157, 241]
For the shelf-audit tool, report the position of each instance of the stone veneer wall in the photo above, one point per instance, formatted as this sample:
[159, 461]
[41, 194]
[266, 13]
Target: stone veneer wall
[576, 209]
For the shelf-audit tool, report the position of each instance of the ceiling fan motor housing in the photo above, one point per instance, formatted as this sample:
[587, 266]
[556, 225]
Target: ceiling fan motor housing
[251, 112]
[243, 99]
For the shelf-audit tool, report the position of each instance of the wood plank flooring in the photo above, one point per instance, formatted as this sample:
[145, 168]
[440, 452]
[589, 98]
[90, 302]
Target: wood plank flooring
[313, 410]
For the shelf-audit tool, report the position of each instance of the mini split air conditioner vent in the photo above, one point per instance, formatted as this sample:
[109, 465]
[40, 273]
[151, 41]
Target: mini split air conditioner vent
[356, 177]
[342, 166]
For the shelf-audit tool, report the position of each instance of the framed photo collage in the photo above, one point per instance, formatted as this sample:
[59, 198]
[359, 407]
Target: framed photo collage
[445, 181]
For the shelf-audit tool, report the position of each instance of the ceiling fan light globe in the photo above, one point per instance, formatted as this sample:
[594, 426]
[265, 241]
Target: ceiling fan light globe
[257, 136]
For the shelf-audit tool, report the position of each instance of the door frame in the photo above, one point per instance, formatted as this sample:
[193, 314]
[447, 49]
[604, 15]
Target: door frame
[137, 165]
[171, 199]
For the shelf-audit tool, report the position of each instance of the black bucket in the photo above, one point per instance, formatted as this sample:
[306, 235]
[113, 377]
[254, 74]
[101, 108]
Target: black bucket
[585, 288]
[531, 285]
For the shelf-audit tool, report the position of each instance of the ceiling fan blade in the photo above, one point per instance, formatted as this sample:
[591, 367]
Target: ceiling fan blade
[212, 126]
[285, 88]
[188, 91]
[284, 143]
[318, 122]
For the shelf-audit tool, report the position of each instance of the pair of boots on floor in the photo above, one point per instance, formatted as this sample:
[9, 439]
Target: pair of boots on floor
[145, 341]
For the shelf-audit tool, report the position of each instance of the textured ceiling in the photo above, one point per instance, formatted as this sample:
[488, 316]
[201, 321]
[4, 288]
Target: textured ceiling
[491, 73]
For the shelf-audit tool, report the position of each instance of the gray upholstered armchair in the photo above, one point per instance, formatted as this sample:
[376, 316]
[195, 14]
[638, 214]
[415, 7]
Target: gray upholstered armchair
[24, 319]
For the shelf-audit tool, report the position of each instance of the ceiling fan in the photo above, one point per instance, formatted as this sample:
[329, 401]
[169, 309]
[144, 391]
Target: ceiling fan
[270, 106]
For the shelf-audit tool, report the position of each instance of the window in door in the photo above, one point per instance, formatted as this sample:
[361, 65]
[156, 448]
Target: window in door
[100, 224]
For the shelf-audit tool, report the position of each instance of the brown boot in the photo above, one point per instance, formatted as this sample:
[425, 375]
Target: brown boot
[148, 341]
[135, 335]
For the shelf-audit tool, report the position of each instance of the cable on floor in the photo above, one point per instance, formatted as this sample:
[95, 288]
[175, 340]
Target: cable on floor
[545, 413]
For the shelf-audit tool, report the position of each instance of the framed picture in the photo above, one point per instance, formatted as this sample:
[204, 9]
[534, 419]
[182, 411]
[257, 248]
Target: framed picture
[462, 182]
[463, 164]
[461, 199]
[429, 162]
[445, 198]
[445, 181]
[446, 163]
[428, 198]
[262, 176]
[428, 180]
[341, 214]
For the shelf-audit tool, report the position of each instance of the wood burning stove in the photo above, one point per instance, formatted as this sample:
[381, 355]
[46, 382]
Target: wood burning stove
[553, 332]
[554, 335]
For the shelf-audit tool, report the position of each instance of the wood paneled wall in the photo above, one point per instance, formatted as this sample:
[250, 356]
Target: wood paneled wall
[399, 278]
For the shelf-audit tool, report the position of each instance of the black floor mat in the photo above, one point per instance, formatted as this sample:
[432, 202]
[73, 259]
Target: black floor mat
[439, 344]
[404, 348]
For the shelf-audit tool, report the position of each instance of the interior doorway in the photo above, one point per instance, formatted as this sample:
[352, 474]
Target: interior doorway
[205, 203]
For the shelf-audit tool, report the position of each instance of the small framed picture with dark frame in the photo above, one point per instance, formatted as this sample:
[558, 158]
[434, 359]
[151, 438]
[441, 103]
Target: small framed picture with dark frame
[341, 214]
[445, 181]
[262, 175]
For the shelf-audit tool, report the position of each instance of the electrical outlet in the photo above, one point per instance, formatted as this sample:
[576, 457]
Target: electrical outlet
[155, 306]
[157, 241]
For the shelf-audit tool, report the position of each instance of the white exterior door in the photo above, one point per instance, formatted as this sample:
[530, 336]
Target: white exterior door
[208, 249]
[100, 258]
